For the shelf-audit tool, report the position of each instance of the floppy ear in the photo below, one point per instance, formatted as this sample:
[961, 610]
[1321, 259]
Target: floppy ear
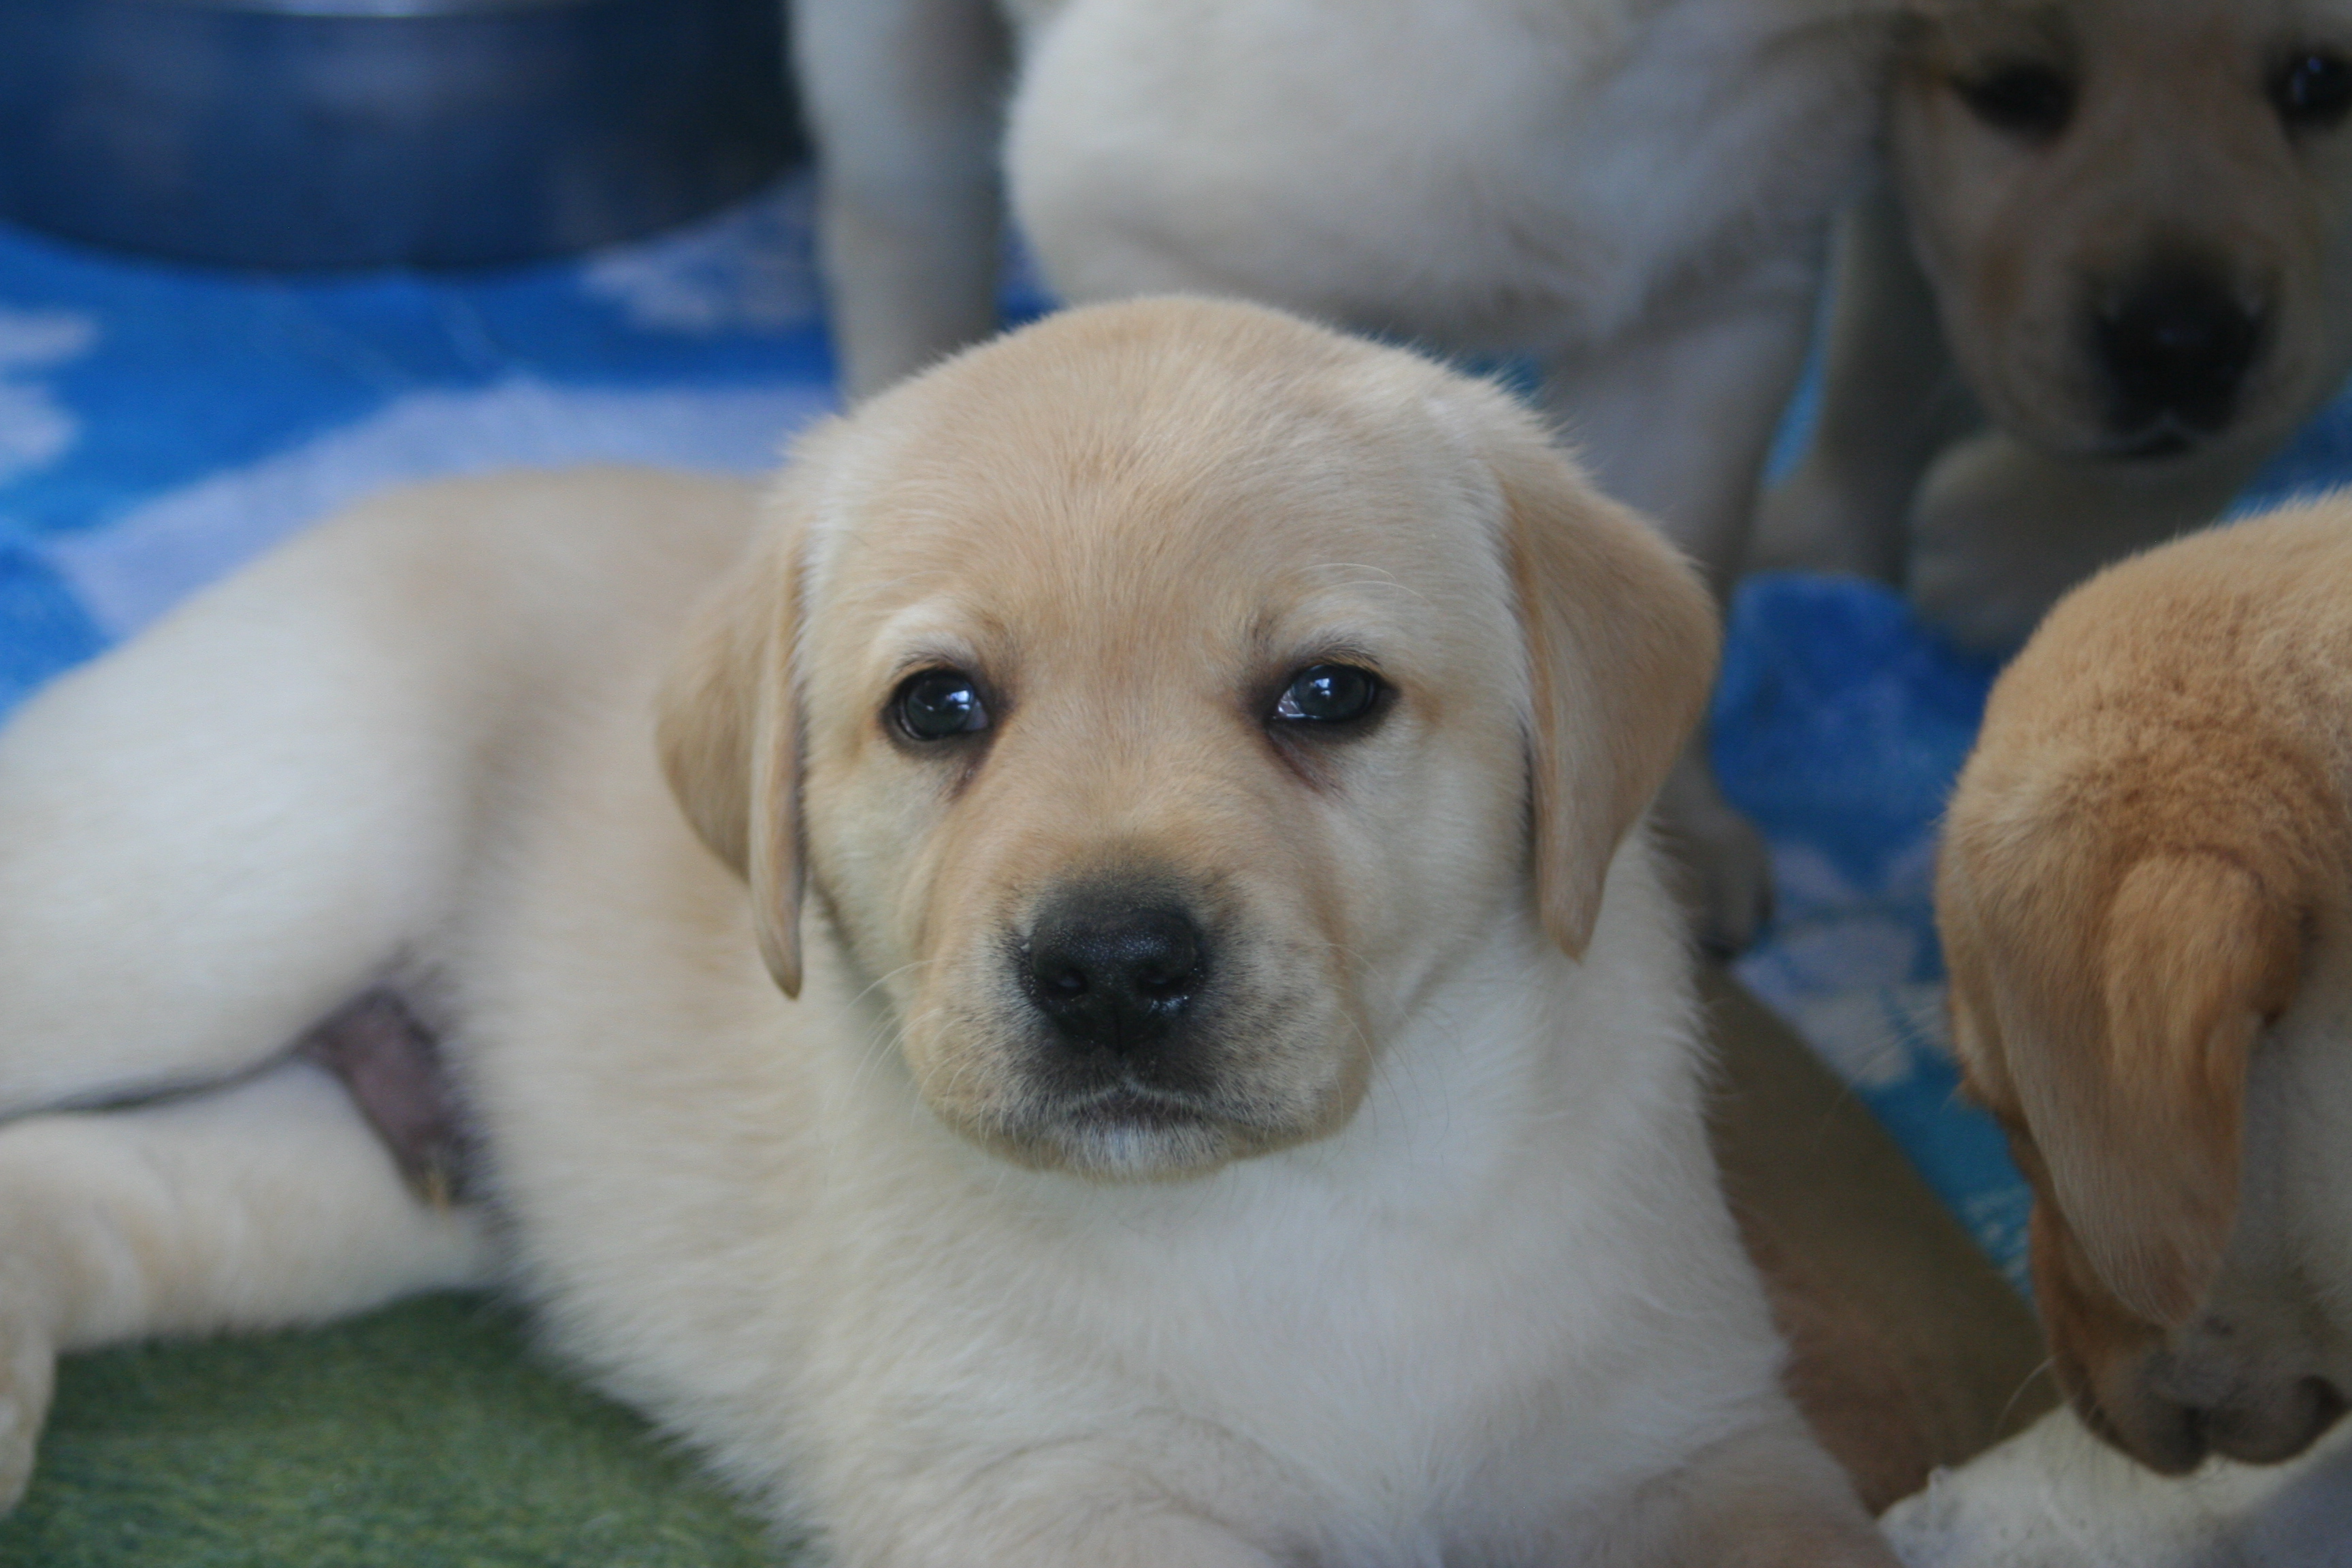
[729, 733]
[2142, 1123]
[1621, 641]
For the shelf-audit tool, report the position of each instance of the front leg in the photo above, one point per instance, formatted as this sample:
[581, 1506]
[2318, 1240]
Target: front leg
[265, 1204]
[1086, 1531]
[1676, 418]
[1161, 1493]
[1891, 400]
[1769, 1498]
[2002, 530]
[904, 102]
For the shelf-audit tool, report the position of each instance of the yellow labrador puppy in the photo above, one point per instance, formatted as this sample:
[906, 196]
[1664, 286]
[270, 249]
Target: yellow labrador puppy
[2146, 897]
[1103, 1000]
[2132, 221]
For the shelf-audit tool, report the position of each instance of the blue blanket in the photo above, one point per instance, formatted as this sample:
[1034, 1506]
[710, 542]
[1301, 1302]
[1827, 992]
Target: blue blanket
[159, 424]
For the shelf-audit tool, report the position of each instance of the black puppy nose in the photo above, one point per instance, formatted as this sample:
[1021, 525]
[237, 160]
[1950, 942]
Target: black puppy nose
[2177, 349]
[1115, 978]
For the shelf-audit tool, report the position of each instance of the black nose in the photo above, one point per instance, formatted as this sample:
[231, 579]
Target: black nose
[1111, 975]
[2177, 348]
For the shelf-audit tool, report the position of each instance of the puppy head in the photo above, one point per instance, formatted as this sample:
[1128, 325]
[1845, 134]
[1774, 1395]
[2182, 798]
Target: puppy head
[2138, 213]
[1158, 699]
[2132, 874]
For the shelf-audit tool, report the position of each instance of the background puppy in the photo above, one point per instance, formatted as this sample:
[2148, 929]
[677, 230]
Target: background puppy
[2129, 231]
[2143, 896]
[1235, 1101]
[1635, 191]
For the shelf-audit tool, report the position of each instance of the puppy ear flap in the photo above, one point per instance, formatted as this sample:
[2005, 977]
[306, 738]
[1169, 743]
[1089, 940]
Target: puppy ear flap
[2144, 1131]
[1621, 640]
[728, 730]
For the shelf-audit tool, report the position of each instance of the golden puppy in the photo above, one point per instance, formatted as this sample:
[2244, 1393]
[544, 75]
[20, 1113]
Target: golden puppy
[2143, 896]
[1154, 1037]
[2134, 219]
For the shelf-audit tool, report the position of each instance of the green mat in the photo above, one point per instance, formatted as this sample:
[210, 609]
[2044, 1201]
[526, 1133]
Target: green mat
[427, 1434]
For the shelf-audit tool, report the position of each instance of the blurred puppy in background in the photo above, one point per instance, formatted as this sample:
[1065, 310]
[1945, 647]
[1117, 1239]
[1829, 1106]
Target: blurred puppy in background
[1635, 191]
[2124, 280]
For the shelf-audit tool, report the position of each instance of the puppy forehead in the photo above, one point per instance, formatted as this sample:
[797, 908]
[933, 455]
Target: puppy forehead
[1104, 519]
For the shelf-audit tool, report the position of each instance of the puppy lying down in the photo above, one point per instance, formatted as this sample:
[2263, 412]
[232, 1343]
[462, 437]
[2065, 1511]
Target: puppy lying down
[2146, 897]
[1102, 999]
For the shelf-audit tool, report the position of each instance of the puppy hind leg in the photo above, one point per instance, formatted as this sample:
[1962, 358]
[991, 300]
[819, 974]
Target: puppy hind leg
[1677, 417]
[268, 1203]
[2002, 530]
[218, 833]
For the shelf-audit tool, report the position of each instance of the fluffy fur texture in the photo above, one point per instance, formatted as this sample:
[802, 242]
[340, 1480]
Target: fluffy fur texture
[1403, 1246]
[2126, 226]
[2144, 900]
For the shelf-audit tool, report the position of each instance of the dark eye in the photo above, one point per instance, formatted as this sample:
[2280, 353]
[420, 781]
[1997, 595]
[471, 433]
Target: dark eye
[2030, 100]
[939, 705]
[2314, 92]
[1330, 694]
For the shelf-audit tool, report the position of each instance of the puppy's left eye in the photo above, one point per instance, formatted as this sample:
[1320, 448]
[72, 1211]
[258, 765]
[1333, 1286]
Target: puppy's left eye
[939, 705]
[2314, 90]
[1330, 694]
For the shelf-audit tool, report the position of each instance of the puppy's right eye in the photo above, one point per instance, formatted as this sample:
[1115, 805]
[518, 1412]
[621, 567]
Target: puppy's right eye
[1335, 695]
[2029, 100]
[939, 705]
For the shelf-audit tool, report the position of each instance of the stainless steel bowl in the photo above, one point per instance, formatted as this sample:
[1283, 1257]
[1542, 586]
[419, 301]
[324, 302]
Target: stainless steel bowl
[367, 133]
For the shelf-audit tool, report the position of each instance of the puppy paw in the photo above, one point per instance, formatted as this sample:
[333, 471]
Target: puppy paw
[28, 1377]
[1724, 872]
[1957, 586]
[2000, 533]
[1813, 522]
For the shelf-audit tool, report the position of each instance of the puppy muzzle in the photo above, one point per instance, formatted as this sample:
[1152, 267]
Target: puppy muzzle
[2174, 348]
[1145, 1024]
[2171, 1404]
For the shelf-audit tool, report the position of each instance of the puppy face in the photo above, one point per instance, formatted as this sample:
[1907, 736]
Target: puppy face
[2151, 976]
[2138, 213]
[1167, 685]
